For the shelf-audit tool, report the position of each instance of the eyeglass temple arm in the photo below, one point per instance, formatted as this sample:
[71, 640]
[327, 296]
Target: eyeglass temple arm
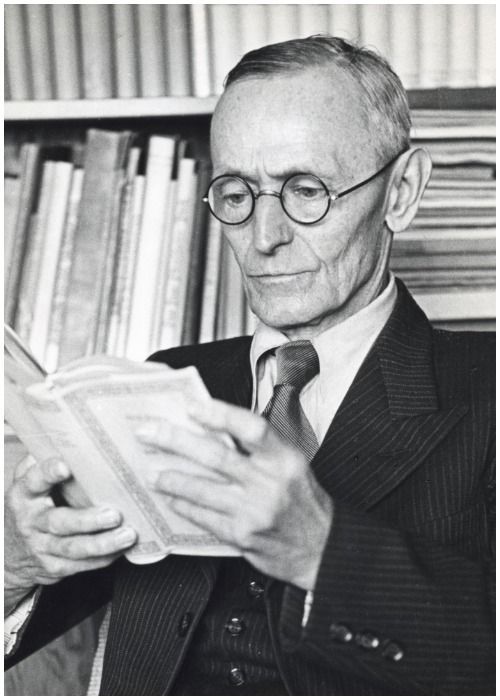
[368, 179]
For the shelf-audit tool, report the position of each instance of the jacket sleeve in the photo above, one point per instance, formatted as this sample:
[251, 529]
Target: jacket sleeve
[399, 609]
[60, 607]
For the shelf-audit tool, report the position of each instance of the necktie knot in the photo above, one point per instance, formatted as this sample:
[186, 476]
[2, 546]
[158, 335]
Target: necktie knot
[297, 363]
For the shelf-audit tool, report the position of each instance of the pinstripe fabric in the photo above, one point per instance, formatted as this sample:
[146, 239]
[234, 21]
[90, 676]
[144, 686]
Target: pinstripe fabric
[297, 364]
[408, 463]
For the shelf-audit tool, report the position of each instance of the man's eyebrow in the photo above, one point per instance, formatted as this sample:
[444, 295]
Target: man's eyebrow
[283, 174]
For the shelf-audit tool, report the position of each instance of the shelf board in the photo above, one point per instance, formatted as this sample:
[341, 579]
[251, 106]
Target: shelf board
[458, 305]
[35, 110]
[137, 107]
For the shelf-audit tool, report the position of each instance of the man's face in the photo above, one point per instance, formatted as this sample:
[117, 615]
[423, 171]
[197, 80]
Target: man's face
[304, 278]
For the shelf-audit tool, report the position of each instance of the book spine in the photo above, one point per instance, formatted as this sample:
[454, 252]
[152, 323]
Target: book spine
[61, 289]
[434, 37]
[125, 46]
[177, 50]
[98, 66]
[313, 19]
[65, 39]
[12, 196]
[254, 26]
[106, 153]
[462, 50]
[344, 21]
[486, 26]
[375, 27]
[158, 178]
[283, 22]
[223, 21]
[16, 54]
[151, 59]
[132, 237]
[39, 50]
[53, 225]
[234, 322]
[200, 50]
[180, 248]
[211, 281]
[404, 43]
[30, 169]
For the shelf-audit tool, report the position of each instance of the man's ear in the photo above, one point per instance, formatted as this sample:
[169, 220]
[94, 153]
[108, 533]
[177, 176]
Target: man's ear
[410, 178]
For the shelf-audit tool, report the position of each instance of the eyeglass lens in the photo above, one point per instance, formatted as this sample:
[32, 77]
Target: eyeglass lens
[304, 198]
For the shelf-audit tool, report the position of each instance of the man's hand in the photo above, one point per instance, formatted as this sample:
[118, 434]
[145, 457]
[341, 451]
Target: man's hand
[262, 499]
[45, 543]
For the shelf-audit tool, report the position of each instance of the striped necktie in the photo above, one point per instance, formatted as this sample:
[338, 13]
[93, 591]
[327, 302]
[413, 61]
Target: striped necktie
[297, 364]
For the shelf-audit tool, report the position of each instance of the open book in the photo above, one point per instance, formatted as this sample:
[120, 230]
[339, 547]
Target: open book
[86, 414]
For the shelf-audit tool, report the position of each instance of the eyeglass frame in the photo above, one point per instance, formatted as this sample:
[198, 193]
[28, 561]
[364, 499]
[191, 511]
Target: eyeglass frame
[332, 197]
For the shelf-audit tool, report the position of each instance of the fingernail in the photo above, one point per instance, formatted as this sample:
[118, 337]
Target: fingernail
[108, 517]
[60, 470]
[146, 432]
[125, 537]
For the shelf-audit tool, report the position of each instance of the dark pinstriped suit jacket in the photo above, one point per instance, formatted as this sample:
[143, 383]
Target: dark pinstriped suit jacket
[408, 462]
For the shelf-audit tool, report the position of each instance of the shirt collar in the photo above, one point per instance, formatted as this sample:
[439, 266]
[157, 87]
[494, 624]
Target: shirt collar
[345, 338]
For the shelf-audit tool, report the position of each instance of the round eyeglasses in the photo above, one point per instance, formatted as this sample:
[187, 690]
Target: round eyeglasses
[304, 197]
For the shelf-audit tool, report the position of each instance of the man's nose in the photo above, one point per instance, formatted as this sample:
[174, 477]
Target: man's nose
[271, 226]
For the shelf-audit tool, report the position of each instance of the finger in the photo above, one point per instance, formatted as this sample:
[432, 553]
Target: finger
[77, 547]
[250, 430]
[74, 521]
[204, 449]
[215, 523]
[58, 567]
[201, 492]
[41, 477]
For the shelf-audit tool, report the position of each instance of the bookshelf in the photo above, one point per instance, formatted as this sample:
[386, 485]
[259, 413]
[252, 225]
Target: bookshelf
[29, 119]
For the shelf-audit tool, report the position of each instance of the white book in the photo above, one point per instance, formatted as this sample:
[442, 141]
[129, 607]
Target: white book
[463, 46]
[177, 58]
[174, 301]
[12, 194]
[283, 22]
[313, 19]
[96, 49]
[53, 230]
[37, 24]
[375, 28]
[158, 178]
[234, 302]
[486, 39]
[344, 21]
[254, 26]
[133, 234]
[211, 281]
[65, 44]
[434, 44]
[225, 40]
[56, 322]
[405, 43]
[151, 58]
[87, 415]
[125, 49]
[16, 53]
[200, 50]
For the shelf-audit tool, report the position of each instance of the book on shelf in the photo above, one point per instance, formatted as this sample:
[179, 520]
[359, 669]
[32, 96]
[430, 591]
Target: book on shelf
[37, 21]
[344, 21]
[17, 68]
[67, 68]
[157, 200]
[283, 22]
[254, 26]
[87, 415]
[313, 19]
[200, 50]
[177, 55]
[463, 45]
[105, 158]
[151, 61]
[404, 43]
[225, 32]
[210, 295]
[433, 39]
[98, 67]
[123, 27]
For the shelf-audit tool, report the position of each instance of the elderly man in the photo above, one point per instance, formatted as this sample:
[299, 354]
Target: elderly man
[360, 495]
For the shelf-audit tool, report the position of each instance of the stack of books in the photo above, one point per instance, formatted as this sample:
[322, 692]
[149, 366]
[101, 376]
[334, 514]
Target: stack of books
[96, 51]
[450, 246]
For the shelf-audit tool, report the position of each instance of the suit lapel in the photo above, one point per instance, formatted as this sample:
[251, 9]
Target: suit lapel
[392, 416]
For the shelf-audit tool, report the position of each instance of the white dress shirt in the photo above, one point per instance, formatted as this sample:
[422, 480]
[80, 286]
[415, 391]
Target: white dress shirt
[341, 351]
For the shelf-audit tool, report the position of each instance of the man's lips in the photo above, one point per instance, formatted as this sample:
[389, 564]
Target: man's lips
[260, 275]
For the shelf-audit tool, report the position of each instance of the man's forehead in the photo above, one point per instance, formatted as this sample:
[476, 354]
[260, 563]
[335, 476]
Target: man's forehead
[293, 111]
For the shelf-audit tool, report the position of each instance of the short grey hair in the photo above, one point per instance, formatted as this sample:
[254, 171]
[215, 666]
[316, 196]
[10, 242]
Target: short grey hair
[382, 94]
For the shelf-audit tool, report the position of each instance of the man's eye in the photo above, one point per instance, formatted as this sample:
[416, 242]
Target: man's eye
[307, 192]
[235, 199]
